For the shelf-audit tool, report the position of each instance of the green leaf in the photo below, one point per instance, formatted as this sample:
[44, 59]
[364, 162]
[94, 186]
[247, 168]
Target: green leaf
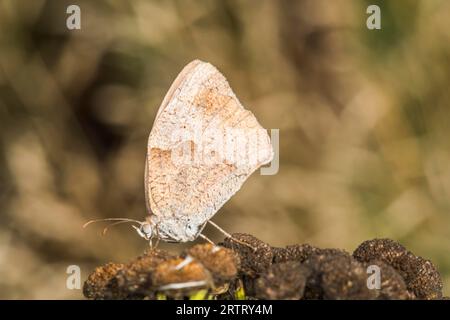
[239, 294]
[199, 295]
[161, 296]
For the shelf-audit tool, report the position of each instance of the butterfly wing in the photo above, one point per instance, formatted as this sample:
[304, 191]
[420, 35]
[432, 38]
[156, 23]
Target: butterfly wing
[203, 146]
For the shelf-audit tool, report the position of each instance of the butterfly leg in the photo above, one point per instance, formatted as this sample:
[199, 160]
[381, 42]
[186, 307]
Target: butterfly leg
[230, 236]
[157, 242]
[215, 247]
[150, 242]
[158, 238]
[201, 235]
[153, 246]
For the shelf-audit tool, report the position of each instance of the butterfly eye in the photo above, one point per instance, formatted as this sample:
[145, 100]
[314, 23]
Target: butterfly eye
[146, 229]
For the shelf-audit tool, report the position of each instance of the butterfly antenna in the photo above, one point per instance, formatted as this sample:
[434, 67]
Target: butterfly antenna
[105, 230]
[111, 219]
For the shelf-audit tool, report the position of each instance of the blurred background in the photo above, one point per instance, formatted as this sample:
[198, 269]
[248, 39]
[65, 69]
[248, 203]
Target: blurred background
[363, 118]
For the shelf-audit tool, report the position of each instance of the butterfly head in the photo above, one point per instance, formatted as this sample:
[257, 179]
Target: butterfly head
[145, 230]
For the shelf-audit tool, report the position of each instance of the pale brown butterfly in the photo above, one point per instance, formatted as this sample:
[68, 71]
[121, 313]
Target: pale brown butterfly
[203, 146]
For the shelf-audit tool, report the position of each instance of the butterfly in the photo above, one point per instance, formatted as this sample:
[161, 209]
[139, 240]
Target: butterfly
[202, 147]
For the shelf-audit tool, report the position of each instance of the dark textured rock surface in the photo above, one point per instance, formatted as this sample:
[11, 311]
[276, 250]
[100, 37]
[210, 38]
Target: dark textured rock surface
[420, 275]
[392, 284]
[336, 275]
[297, 252]
[247, 267]
[284, 280]
[256, 257]
[223, 263]
[95, 287]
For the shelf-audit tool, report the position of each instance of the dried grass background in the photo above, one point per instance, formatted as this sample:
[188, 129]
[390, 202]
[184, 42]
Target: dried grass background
[363, 118]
